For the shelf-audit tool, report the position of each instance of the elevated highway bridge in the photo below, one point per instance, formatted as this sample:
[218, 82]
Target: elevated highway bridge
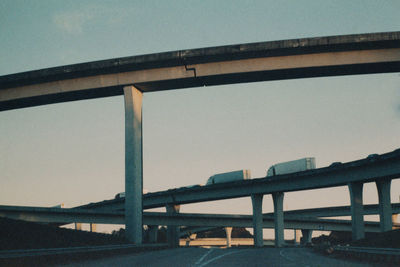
[287, 59]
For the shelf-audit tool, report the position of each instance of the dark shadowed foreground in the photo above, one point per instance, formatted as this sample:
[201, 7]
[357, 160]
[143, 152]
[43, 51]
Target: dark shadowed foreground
[294, 257]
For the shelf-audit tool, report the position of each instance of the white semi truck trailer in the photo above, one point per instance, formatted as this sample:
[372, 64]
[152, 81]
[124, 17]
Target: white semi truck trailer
[229, 177]
[292, 166]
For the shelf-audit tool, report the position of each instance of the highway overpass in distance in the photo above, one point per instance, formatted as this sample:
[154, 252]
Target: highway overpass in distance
[264, 61]
[73, 215]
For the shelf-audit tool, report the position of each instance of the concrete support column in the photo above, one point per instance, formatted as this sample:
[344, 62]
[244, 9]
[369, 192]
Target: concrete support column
[257, 219]
[133, 164]
[306, 236]
[278, 219]
[297, 236]
[153, 233]
[385, 207]
[394, 219]
[357, 211]
[93, 227]
[228, 231]
[78, 226]
[172, 230]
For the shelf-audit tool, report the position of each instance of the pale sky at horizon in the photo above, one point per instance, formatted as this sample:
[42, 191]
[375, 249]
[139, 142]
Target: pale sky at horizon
[73, 153]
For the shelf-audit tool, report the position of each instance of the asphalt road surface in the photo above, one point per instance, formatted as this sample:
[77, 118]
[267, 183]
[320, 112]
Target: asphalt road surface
[201, 257]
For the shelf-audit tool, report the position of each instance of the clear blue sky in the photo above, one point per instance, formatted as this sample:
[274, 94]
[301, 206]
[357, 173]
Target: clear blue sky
[73, 153]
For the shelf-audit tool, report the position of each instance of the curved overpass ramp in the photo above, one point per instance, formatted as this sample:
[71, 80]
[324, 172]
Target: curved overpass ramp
[287, 59]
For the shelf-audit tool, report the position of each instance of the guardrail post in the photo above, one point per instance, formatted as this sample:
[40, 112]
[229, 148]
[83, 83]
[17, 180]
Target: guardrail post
[133, 165]
[306, 236]
[357, 213]
[278, 218]
[256, 200]
[228, 231]
[93, 227]
[385, 207]
[153, 233]
[172, 230]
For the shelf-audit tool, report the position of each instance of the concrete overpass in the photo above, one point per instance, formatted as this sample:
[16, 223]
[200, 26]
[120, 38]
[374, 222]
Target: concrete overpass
[288, 59]
[66, 216]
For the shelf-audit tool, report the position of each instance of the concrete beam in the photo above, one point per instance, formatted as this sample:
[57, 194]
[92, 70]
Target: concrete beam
[133, 164]
[357, 214]
[365, 170]
[382, 167]
[385, 208]
[287, 59]
[371, 209]
[48, 215]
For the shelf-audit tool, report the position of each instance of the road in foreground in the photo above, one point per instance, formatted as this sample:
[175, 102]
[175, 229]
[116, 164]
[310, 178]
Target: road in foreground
[201, 257]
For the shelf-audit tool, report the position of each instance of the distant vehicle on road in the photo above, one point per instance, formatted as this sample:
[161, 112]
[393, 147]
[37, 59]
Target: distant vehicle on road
[292, 166]
[229, 177]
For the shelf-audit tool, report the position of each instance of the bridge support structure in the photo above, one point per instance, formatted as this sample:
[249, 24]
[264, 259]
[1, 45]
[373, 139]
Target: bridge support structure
[357, 211]
[278, 218]
[78, 226]
[228, 231]
[385, 207]
[297, 236]
[172, 230]
[153, 233]
[256, 200]
[306, 235]
[133, 165]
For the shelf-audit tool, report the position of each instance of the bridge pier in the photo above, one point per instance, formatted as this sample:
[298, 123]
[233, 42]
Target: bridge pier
[78, 226]
[385, 207]
[394, 219]
[256, 200]
[297, 236]
[278, 218]
[172, 230]
[228, 231]
[306, 236]
[153, 233]
[133, 164]
[357, 213]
